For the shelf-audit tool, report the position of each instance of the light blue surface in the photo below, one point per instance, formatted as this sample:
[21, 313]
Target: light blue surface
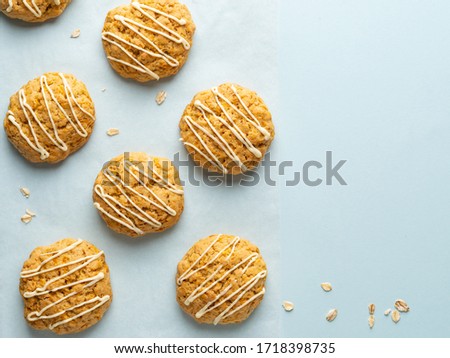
[142, 271]
[369, 80]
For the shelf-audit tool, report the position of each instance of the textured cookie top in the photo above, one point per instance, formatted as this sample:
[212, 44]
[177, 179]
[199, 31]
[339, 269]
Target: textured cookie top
[50, 117]
[221, 280]
[33, 10]
[65, 286]
[148, 39]
[137, 194]
[227, 129]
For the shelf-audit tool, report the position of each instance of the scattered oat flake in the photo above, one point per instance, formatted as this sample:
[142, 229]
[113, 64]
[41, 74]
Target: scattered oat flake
[371, 321]
[112, 132]
[326, 286]
[161, 97]
[103, 89]
[395, 316]
[75, 34]
[401, 305]
[29, 212]
[288, 306]
[331, 315]
[25, 192]
[26, 218]
[387, 312]
[371, 308]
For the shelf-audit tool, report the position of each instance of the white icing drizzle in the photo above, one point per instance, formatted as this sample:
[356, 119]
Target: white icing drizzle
[213, 132]
[210, 282]
[134, 26]
[137, 213]
[31, 116]
[33, 8]
[88, 282]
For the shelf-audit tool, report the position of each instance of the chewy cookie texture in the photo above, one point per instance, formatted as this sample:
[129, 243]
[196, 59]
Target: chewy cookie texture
[227, 129]
[65, 286]
[148, 39]
[221, 280]
[33, 10]
[136, 194]
[50, 118]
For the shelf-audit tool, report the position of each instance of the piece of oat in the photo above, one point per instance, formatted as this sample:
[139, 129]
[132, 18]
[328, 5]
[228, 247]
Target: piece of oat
[331, 315]
[371, 321]
[25, 192]
[29, 212]
[387, 312]
[75, 34]
[26, 218]
[395, 316]
[103, 89]
[161, 97]
[371, 308]
[112, 132]
[401, 305]
[288, 306]
[326, 286]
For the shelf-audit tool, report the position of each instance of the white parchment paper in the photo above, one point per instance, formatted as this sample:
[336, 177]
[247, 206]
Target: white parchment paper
[235, 41]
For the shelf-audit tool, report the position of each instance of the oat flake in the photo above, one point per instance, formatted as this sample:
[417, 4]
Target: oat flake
[371, 321]
[331, 315]
[75, 34]
[161, 97]
[401, 305]
[395, 316]
[25, 192]
[26, 218]
[112, 132]
[288, 306]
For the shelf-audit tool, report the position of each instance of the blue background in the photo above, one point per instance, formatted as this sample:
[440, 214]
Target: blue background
[370, 81]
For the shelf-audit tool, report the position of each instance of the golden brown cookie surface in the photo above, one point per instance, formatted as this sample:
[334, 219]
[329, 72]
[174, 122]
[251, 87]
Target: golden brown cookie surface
[221, 280]
[50, 118]
[136, 194]
[227, 129]
[33, 10]
[65, 286]
[148, 39]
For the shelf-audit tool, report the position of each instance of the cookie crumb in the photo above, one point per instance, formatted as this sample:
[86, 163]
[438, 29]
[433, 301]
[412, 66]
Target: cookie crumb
[331, 315]
[326, 286]
[288, 306]
[113, 132]
[26, 218]
[161, 97]
[75, 34]
[25, 192]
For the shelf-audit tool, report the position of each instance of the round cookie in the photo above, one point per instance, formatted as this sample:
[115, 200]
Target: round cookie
[136, 194]
[50, 118]
[65, 286]
[221, 280]
[148, 39]
[33, 10]
[227, 129]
